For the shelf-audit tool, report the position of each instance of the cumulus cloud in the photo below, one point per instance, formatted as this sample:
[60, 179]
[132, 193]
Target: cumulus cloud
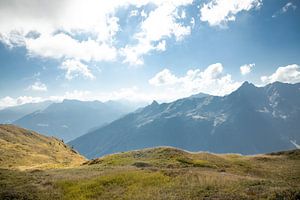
[246, 69]
[46, 17]
[164, 77]
[219, 12]
[87, 30]
[160, 23]
[285, 8]
[63, 46]
[212, 81]
[76, 68]
[286, 74]
[38, 86]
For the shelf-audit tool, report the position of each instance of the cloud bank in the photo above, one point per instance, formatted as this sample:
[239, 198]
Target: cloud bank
[56, 30]
[87, 30]
[167, 86]
[286, 74]
[211, 80]
[220, 12]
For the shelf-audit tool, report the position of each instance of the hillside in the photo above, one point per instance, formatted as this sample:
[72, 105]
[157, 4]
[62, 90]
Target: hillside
[162, 173]
[250, 120]
[72, 118]
[23, 149]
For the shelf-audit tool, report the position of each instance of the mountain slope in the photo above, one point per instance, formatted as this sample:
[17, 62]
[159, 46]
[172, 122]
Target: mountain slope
[72, 118]
[10, 114]
[162, 173]
[23, 149]
[250, 120]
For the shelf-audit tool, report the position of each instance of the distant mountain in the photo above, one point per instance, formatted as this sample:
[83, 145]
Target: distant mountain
[199, 95]
[72, 118]
[10, 114]
[250, 120]
[23, 149]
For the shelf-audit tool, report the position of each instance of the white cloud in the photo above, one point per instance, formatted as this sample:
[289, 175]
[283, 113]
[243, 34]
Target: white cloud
[161, 46]
[131, 94]
[285, 8]
[246, 69]
[9, 101]
[76, 94]
[288, 6]
[75, 68]
[144, 14]
[160, 23]
[287, 74]
[47, 17]
[219, 12]
[168, 87]
[211, 81]
[164, 77]
[136, 94]
[63, 46]
[165, 17]
[38, 86]
[87, 30]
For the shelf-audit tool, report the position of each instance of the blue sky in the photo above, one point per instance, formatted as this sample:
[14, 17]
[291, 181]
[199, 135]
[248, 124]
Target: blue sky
[144, 50]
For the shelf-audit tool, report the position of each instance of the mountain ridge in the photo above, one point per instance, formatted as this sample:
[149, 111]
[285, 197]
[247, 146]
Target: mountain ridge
[13, 113]
[250, 120]
[71, 118]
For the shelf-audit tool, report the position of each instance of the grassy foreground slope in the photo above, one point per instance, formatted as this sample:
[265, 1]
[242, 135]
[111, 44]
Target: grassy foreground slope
[162, 173]
[24, 149]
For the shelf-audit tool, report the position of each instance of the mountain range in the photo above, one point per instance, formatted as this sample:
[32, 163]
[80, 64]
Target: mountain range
[72, 118]
[250, 120]
[11, 114]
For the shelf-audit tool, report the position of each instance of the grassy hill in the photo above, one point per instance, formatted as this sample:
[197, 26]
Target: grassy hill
[24, 149]
[162, 173]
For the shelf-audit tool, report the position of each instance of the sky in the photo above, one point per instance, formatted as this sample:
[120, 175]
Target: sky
[144, 50]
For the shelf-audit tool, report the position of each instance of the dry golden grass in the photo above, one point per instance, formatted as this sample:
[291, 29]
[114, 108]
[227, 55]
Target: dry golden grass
[154, 173]
[24, 149]
[162, 173]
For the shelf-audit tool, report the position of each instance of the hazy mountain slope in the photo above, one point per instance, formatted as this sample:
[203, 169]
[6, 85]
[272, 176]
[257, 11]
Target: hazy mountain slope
[162, 173]
[10, 114]
[22, 149]
[72, 118]
[250, 120]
